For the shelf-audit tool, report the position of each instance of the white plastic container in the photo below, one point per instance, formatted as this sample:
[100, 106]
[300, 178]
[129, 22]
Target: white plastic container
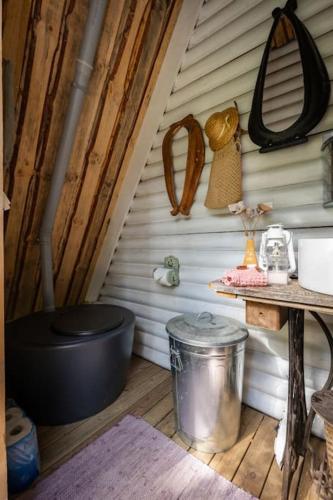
[315, 264]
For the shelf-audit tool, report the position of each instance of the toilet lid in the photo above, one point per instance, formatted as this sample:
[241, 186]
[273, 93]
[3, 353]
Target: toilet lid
[67, 326]
[87, 319]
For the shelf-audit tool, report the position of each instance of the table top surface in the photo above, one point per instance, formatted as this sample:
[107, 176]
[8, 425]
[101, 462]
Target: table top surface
[291, 295]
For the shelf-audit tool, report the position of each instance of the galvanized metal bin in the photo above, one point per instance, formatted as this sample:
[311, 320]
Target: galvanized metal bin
[207, 363]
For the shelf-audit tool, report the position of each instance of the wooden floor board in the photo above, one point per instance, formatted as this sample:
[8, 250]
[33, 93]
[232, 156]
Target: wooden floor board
[141, 407]
[249, 463]
[227, 463]
[157, 413]
[180, 442]
[252, 472]
[273, 483]
[306, 489]
[296, 478]
[167, 425]
[206, 458]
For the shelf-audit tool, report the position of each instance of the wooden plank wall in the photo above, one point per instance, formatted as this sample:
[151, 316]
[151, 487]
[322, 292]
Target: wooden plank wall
[41, 42]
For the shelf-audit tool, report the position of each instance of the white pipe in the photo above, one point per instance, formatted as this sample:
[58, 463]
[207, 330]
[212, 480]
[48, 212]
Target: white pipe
[84, 67]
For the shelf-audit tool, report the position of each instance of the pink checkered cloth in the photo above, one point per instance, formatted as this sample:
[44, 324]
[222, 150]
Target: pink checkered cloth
[245, 277]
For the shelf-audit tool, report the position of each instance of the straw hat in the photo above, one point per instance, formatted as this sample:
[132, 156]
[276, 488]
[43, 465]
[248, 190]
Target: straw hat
[221, 127]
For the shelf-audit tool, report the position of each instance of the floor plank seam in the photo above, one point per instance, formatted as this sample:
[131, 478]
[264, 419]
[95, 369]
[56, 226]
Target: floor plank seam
[165, 416]
[266, 478]
[150, 409]
[247, 448]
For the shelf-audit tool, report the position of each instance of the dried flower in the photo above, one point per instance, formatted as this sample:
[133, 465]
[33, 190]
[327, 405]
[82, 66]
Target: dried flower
[237, 208]
[250, 216]
[251, 212]
[264, 207]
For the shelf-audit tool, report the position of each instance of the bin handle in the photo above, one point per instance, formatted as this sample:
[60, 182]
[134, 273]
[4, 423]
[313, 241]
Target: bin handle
[175, 359]
[206, 316]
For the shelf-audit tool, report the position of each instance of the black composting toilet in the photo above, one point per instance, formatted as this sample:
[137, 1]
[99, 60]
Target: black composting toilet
[68, 364]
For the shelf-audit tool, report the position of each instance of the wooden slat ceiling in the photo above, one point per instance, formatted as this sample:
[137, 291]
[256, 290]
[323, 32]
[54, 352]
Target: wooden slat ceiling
[41, 42]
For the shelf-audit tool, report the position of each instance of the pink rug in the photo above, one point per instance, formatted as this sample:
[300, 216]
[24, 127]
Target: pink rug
[134, 461]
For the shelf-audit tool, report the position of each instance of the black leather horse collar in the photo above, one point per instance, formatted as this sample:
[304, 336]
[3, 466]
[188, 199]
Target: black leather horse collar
[316, 88]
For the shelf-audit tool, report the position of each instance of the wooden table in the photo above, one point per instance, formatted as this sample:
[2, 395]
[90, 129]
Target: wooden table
[270, 307]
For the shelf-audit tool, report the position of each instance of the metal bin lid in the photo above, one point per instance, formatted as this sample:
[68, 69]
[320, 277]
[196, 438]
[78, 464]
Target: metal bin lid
[206, 330]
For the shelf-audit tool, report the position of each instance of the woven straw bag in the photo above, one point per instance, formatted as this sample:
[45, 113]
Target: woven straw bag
[225, 182]
[322, 404]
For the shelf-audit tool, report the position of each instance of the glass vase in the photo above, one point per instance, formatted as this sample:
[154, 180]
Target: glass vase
[250, 256]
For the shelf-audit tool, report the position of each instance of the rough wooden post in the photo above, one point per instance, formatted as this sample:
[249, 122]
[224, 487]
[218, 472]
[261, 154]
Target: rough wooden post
[296, 399]
[3, 464]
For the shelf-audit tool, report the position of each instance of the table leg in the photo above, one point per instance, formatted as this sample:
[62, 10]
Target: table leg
[296, 399]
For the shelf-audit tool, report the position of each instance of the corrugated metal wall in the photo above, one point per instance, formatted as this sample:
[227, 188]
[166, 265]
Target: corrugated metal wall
[220, 65]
